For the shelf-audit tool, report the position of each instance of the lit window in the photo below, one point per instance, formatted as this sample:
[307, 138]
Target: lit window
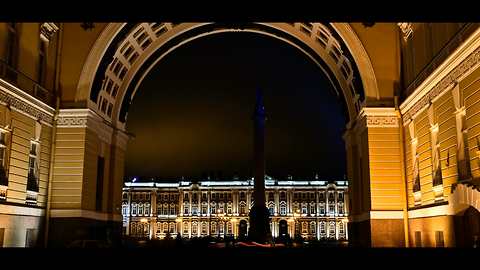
[304, 227]
[212, 209]
[312, 209]
[147, 209]
[332, 229]
[172, 209]
[33, 168]
[341, 228]
[220, 228]
[194, 228]
[140, 209]
[204, 228]
[165, 209]
[312, 227]
[271, 209]
[213, 228]
[322, 227]
[340, 208]
[165, 227]
[283, 209]
[204, 209]
[229, 209]
[185, 208]
[304, 209]
[229, 228]
[172, 227]
[242, 208]
[185, 227]
[331, 209]
[194, 210]
[2, 149]
[134, 209]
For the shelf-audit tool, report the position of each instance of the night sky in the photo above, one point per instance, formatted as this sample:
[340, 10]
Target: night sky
[193, 112]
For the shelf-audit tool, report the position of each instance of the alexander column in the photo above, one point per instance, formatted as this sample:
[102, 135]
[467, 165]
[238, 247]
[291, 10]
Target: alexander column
[259, 230]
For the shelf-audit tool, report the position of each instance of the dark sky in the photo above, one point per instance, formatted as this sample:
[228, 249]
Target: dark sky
[192, 113]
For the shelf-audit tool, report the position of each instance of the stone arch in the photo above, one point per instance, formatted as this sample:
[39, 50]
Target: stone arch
[108, 81]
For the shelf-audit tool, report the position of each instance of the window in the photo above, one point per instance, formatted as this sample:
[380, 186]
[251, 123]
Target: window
[242, 196]
[213, 228]
[165, 227]
[204, 196]
[340, 208]
[312, 227]
[332, 229]
[304, 209]
[271, 209]
[229, 228]
[283, 209]
[185, 196]
[439, 242]
[3, 148]
[221, 196]
[159, 227]
[322, 196]
[165, 209]
[185, 208]
[185, 227]
[212, 209]
[147, 209]
[322, 209]
[134, 209]
[220, 208]
[194, 210]
[229, 209]
[204, 228]
[304, 227]
[220, 228]
[312, 209]
[270, 196]
[33, 168]
[340, 196]
[242, 208]
[140, 209]
[204, 209]
[214, 196]
[331, 197]
[322, 227]
[418, 239]
[172, 227]
[194, 228]
[283, 196]
[331, 209]
[172, 209]
[159, 209]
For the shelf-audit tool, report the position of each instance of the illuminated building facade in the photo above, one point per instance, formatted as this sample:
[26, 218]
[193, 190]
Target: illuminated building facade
[411, 92]
[310, 209]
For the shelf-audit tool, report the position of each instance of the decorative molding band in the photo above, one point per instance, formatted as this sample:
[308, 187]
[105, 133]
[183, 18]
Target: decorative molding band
[80, 213]
[379, 117]
[439, 210]
[462, 197]
[23, 102]
[85, 118]
[6, 209]
[458, 65]
[47, 30]
[121, 140]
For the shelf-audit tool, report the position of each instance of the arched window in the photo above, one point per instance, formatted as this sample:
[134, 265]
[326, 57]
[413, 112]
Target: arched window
[221, 207]
[341, 229]
[134, 209]
[322, 227]
[172, 209]
[304, 227]
[229, 227]
[340, 208]
[133, 229]
[194, 228]
[172, 227]
[159, 227]
[312, 209]
[204, 228]
[331, 231]
[243, 207]
[204, 209]
[304, 208]
[185, 228]
[165, 209]
[185, 196]
[185, 208]
[322, 209]
[195, 209]
[147, 209]
[229, 208]
[312, 227]
[283, 208]
[221, 227]
[140, 209]
[271, 209]
[213, 229]
[165, 227]
[213, 208]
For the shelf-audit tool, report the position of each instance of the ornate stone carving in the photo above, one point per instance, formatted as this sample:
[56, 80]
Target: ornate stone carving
[14, 101]
[407, 30]
[85, 118]
[451, 78]
[382, 121]
[47, 30]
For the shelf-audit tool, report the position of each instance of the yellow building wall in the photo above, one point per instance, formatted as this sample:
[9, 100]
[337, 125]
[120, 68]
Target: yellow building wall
[470, 87]
[76, 45]
[384, 163]
[67, 184]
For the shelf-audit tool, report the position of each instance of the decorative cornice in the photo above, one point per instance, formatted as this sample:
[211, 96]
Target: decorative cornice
[85, 118]
[47, 30]
[21, 101]
[380, 117]
[453, 69]
[407, 30]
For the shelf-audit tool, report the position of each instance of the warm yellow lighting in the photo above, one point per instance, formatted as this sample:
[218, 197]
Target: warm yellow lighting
[234, 220]
[178, 219]
[144, 220]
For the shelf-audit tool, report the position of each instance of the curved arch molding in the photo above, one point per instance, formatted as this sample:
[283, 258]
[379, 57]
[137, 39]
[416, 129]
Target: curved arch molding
[124, 53]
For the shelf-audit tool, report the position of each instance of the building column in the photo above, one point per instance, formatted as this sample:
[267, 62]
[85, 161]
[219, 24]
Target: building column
[375, 172]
